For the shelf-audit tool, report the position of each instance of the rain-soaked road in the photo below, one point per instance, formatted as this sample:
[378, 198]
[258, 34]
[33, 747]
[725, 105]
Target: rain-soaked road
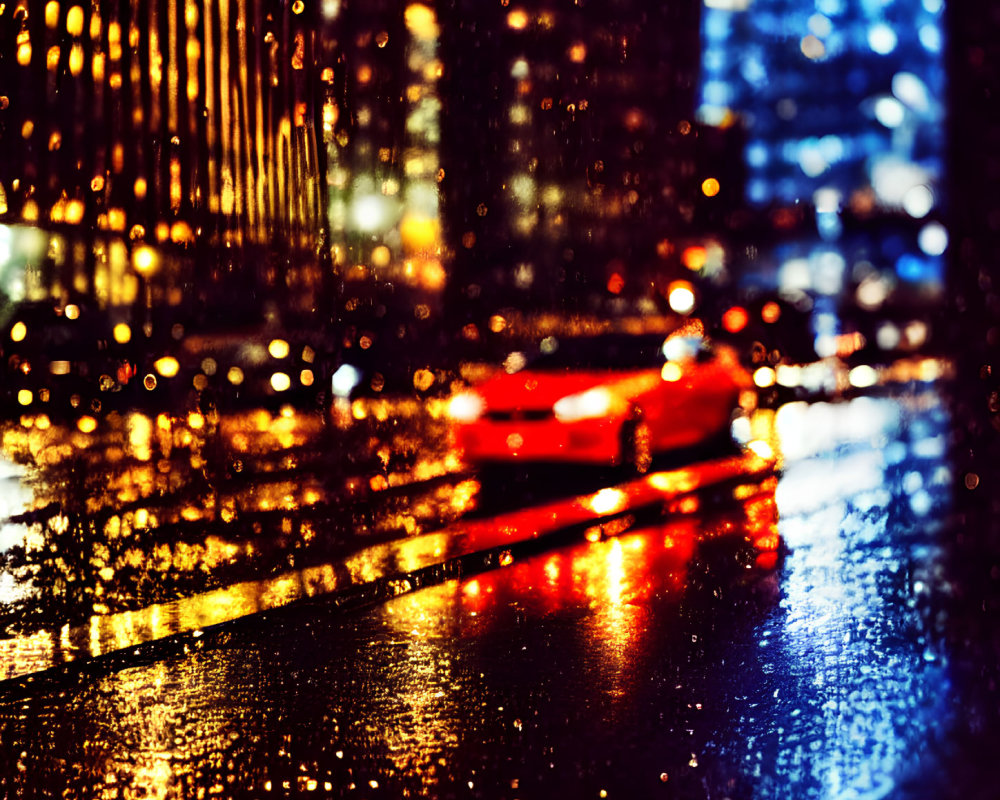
[645, 639]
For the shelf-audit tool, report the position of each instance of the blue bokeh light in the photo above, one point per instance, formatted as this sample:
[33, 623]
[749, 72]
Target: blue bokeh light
[815, 71]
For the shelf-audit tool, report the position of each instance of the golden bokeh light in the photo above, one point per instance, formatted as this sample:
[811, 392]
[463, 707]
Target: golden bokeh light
[122, 333]
[280, 382]
[144, 259]
[517, 19]
[278, 348]
[167, 366]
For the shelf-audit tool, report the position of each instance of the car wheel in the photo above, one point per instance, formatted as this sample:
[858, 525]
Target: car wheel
[723, 441]
[637, 446]
[720, 443]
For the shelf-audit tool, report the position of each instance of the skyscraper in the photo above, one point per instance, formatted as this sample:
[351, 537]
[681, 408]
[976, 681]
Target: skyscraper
[568, 149]
[844, 108]
[176, 124]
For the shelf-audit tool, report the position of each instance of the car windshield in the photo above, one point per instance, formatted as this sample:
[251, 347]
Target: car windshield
[605, 352]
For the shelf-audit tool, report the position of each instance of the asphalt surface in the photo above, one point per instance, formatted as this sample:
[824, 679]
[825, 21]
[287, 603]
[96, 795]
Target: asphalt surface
[672, 648]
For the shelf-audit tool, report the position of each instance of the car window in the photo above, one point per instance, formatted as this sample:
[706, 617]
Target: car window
[610, 352]
[686, 348]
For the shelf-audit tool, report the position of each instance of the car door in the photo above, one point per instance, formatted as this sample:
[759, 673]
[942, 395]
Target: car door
[694, 397]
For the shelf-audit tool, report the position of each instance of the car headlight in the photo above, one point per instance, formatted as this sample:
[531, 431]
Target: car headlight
[586, 405]
[466, 407]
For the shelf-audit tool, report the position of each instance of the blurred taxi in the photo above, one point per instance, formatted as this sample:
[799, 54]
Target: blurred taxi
[612, 399]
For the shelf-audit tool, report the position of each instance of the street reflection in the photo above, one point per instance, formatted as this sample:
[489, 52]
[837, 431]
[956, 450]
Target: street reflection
[414, 709]
[383, 569]
[609, 581]
[854, 681]
[827, 688]
[152, 508]
[423, 723]
[163, 748]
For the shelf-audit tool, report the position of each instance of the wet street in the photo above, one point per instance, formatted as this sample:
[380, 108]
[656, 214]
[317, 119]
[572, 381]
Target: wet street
[731, 625]
[510, 401]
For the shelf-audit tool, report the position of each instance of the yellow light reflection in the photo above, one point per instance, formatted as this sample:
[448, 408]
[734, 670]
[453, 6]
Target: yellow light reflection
[762, 449]
[122, 333]
[74, 21]
[51, 14]
[140, 436]
[764, 377]
[420, 234]
[167, 366]
[671, 482]
[608, 501]
[424, 733]
[517, 19]
[144, 259]
[421, 21]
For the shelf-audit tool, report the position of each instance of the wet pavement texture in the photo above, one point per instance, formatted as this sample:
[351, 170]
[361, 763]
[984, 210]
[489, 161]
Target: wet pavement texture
[666, 647]
[148, 509]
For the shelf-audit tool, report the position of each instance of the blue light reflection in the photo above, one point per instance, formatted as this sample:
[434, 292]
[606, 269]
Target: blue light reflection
[854, 687]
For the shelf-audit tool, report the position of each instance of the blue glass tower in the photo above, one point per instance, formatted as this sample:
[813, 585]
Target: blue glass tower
[835, 96]
[843, 110]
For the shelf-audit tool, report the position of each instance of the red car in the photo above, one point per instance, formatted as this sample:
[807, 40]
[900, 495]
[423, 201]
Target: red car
[613, 399]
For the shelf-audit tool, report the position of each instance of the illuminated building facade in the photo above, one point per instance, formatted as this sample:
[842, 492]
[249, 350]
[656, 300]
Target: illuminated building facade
[844, 112]
[382, 134]
[569, 149]
[179, 124]
[836, 95]
[843, 104]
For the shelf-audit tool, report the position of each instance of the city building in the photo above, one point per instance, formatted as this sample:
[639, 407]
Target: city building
[569, 153]
[137, 134]
[382, 135]
[844, 108]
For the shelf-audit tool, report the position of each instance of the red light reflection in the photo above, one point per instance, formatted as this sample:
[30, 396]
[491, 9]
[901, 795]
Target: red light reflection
[626, 569]
[618, 564]
[735, 319]
[676, 491]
